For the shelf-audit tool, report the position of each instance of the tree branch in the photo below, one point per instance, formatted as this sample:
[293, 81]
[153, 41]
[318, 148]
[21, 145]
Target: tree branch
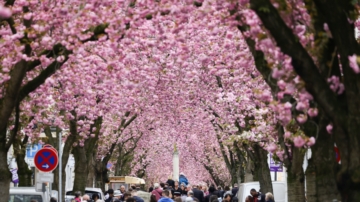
[11, 95]
[302, 62]
[40, 79]
[14, 131]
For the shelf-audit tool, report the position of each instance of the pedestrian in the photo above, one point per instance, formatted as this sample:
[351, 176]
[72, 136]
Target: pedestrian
[178, 199]
[235, 189]
[77, 196]
[153, 198]
[166, 196]
[176, 188]
[198, 194]
[122, 189]
[111, 195]
[205, 190]
[184, 189]
[171, 182]
[269, 197]
[258, 196]
[249, 199]
[86, 198]
[211, 193]
[213, 198]
[117, 196]
[126, 195]
[96, 198]
[134, 195]
[157, 191]
[130, 199]
[227, 197]
[53, 199]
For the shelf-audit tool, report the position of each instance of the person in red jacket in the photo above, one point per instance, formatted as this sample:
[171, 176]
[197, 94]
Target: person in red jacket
[157, 191]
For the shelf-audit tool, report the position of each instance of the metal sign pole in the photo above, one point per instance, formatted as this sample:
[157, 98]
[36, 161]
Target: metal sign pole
[60, 168]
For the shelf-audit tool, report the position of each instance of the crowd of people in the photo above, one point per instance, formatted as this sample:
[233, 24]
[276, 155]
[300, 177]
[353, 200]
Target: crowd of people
[174, 191]
[166, 192]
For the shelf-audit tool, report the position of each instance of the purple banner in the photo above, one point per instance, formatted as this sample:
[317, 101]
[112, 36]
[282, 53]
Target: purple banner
[15, 177]
[275, 166]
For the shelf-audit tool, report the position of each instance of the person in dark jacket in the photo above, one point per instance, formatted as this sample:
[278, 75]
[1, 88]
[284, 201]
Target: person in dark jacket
[211, 193]
[111, 195]
[227, 197]
[151, 189]
[198, 194]
[235, 189]
[171, 183]
[220, 192]
[258, 196]
[176, 188]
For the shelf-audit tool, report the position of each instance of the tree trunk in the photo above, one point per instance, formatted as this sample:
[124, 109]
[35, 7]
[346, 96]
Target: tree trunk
[296, 177]
[262, 169]
[81, 169]
[91, 175]
[249, 177]
[311, 195]
[24, 172]
[124, 159]
[325, 164]
[101, 176]
[5, 174]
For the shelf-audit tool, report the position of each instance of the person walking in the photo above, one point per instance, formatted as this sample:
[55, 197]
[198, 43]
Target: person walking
[211, 193]
[77, 196]
[96, 198]
[235, 189]
[269, 197]
[198, 194]
[227, 197]
[157, 191]
[166, 196]
[249, 199]
[258, 196]
[176, 188]
[111, 195]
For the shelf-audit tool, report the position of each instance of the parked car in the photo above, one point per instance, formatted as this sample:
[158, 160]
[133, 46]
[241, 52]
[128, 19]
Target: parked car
[25, 194]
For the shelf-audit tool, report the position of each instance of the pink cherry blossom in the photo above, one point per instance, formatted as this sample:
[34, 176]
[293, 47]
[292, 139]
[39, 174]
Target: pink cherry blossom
[298, 141]
[353, 63]
[5, 12]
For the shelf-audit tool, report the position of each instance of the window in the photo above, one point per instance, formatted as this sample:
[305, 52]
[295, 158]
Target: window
[25, 198]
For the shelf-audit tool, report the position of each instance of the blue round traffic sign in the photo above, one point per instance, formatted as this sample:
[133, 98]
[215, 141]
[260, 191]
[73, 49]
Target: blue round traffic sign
[46, 159]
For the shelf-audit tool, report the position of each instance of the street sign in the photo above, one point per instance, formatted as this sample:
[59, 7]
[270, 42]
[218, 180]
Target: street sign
[44, 177]
[15, 177]
[32, 149]
[275, 166]
[46, 159]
